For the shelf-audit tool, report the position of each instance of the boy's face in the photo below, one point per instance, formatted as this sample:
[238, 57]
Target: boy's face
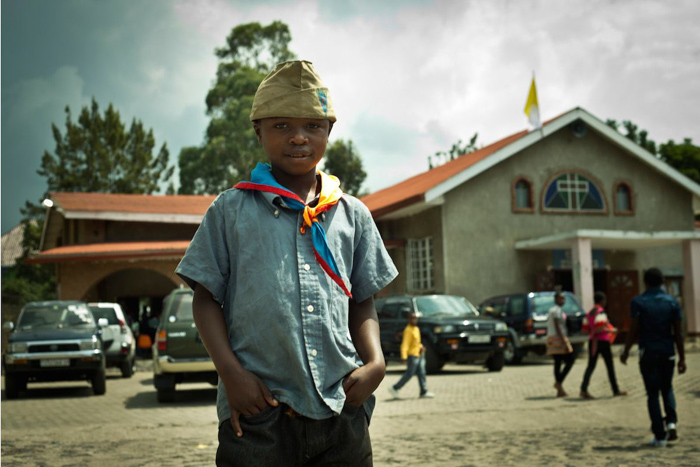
[294, 145]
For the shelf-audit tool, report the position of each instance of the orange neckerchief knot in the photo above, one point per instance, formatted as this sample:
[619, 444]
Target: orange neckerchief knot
[329, 196]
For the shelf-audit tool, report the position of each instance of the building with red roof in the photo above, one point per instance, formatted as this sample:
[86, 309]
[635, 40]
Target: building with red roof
[574, 204]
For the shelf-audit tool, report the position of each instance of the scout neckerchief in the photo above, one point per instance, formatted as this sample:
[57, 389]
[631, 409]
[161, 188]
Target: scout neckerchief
[263, 180]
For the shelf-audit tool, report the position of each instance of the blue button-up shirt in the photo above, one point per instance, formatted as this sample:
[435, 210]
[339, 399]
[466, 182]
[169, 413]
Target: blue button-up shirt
[287, 320]
[656, 311]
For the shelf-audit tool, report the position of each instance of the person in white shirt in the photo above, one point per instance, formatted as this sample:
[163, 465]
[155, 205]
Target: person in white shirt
[558, 344]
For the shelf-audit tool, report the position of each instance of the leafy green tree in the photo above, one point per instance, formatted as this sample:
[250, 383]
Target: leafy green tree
[344, 162]
[684, 157]
[95, 154]
[457, 149]
[230, 149]
[632, 132]
[99, 154]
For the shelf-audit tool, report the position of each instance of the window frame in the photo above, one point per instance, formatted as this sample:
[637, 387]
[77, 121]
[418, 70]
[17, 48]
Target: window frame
[591, 179]
[630, 192]
[416, 281]
[514, 199]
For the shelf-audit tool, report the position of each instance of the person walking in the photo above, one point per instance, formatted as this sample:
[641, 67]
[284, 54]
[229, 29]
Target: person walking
[656, 323]
[413, 354]
[601, 336]
[558, 344]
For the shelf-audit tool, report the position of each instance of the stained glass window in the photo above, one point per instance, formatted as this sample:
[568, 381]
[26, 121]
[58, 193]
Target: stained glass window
[573, 192]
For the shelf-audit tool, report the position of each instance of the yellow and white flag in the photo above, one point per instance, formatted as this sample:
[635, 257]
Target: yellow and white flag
[532, 107]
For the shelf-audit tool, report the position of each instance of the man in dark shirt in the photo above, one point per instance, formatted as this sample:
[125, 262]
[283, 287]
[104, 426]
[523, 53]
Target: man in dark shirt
[656, 322]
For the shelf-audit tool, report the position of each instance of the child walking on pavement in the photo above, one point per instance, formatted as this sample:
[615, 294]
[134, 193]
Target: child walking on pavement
[601, 335]
[413, 354]
[283, 269]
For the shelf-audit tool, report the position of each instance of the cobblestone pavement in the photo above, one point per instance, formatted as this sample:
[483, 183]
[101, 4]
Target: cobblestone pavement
[477, 418]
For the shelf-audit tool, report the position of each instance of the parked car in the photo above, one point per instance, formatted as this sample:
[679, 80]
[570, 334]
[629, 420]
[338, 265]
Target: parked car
[54, 341]
[179, 356]
[526, 317]
[451, 330]
[117, 338]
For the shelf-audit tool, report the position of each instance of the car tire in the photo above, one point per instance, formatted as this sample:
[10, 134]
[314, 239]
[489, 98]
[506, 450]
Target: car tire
[99, 382]
[496, 361]
[166, 395]
[433, 362]
[12, 386]
[511, 354]
[127, 368]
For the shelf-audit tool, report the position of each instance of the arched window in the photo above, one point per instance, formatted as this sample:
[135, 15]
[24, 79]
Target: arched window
[573, 191]
[622, 193]
[521, 192]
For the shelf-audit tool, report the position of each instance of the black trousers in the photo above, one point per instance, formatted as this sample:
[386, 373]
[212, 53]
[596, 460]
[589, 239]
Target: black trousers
[568, 361]
[602, 348]
[275, 438]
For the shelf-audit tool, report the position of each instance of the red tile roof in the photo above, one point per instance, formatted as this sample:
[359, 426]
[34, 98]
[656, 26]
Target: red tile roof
[103, 251]
[413, 190]
[152, 204]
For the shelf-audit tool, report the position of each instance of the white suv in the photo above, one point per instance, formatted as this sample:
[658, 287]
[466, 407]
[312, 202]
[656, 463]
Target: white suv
[119, 342]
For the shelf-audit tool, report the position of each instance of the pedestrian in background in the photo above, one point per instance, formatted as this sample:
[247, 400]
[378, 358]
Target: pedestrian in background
[656, 322]
[413, 354]
[558, 344]
[601, 336]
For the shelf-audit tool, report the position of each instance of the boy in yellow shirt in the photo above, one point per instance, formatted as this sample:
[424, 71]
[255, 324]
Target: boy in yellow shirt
[413, 354]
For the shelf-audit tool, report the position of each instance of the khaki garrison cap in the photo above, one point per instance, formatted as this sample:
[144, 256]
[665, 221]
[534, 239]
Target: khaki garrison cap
[292, 89]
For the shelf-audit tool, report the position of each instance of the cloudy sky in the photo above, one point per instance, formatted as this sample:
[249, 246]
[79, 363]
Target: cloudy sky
[408, 78]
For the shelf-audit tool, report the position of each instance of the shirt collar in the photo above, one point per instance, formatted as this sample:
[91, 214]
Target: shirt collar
[653, 291]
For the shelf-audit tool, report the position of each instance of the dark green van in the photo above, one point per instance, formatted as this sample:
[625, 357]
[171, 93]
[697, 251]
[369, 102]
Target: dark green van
[179, 356]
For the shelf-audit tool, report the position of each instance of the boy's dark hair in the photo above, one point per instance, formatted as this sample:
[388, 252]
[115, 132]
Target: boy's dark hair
[558, 294]
[653, 277]
[599, 297]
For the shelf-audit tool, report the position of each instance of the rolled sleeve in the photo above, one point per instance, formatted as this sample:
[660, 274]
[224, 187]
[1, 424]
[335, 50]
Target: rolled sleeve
[373, 268]
[206, 260]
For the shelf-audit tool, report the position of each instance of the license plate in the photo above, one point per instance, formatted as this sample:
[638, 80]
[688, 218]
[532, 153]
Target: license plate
[56, 362]
[479, 339]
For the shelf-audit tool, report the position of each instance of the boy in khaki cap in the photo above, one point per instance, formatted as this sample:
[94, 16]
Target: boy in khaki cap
[284, 268]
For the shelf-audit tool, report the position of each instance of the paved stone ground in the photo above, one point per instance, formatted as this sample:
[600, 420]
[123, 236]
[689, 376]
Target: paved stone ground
[477, 418]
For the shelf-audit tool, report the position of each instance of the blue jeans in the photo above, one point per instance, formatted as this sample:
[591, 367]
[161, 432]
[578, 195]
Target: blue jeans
[657, 372]
[414, 365]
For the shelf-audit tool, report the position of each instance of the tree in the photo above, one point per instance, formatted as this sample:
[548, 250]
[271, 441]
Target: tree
[98, 154]
[230, 149]
[342, 161]
[633, 133]
[457, 150]
[684, 157]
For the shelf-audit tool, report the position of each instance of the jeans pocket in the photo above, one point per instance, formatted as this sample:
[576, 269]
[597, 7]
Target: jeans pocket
[260, 417]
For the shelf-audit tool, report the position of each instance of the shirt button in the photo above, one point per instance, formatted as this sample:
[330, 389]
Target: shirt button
[313, 352]
[310, 308]
[307, 267]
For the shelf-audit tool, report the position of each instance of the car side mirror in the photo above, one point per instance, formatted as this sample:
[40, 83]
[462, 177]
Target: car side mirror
[8, 326]
[102, 322]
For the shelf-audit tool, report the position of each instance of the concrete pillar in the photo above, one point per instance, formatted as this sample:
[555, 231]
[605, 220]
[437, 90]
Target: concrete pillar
[691, 285]
[582, 268]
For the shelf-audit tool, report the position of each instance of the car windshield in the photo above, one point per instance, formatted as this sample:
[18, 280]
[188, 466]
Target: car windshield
[107, 313]
[542, 303]
[55, 316]
[445, 305]
[182, 308]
